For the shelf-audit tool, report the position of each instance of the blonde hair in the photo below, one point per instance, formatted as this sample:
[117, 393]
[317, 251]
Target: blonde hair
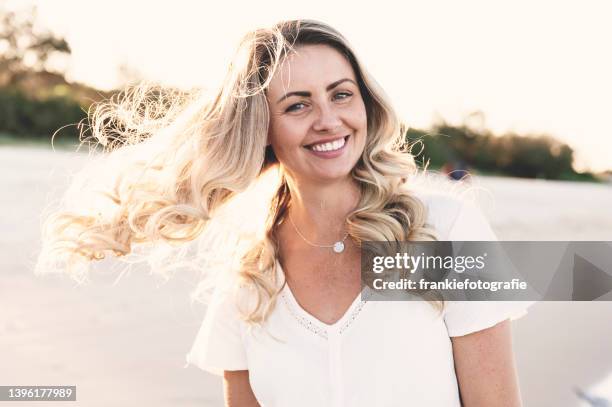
[181, 157]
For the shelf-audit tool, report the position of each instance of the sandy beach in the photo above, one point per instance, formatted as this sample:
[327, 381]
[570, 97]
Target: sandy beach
[124, 344]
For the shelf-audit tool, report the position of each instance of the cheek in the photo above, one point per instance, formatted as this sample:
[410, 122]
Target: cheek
[285, 136]
[359, 115]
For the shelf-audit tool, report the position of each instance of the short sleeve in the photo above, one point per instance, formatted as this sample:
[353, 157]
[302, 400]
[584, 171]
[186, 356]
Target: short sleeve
[464, 317]
[219, 343]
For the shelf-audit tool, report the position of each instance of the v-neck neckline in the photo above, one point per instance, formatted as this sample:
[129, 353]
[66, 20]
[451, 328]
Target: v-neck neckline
[338, 326]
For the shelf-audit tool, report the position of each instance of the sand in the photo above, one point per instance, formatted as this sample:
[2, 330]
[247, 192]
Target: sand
[125, 344]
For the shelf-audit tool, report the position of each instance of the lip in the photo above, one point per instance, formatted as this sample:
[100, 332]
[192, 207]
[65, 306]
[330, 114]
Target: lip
[329, 154]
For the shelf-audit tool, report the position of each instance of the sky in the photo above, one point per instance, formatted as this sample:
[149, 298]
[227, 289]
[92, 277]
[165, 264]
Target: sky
[530, 66]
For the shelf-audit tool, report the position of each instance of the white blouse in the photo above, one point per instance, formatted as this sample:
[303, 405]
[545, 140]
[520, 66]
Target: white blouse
[395, 353]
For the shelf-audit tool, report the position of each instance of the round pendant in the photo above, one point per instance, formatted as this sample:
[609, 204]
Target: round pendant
[338, 247]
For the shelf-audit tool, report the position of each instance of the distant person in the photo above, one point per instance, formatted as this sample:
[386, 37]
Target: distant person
[460, 171]
[297, 100]
[457, 170]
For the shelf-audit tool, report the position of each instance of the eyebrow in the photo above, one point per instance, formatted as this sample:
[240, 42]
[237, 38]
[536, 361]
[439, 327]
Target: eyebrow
[308, 94]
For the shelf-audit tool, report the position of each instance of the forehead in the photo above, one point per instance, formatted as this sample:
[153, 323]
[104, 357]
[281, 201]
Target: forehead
[310, 66]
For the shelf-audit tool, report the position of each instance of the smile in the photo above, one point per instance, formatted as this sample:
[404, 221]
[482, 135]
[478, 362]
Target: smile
[328, 146]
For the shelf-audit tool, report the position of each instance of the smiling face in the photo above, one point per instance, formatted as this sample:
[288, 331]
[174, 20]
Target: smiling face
[318, 121]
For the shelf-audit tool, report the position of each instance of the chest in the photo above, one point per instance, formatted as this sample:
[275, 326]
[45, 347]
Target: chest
[324, 284]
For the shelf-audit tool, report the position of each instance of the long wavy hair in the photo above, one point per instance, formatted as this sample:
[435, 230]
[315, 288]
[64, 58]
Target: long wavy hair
[172, 162]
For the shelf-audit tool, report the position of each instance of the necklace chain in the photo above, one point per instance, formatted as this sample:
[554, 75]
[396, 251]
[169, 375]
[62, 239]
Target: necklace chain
[314, 244]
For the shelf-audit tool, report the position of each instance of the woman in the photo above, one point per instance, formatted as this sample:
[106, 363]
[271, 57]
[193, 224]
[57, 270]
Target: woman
[292, 326]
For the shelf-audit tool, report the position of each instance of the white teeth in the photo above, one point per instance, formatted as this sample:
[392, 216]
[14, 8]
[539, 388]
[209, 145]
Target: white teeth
[331, 146]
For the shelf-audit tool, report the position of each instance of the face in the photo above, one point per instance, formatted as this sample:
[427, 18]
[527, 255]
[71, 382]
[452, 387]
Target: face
[318, 120]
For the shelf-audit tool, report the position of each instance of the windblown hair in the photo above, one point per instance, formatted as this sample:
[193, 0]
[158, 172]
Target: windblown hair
[173, 160]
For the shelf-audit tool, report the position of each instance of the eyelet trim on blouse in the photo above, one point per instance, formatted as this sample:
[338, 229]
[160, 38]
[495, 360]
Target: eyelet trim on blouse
[318, 329]
[306, 323]
[357, 310]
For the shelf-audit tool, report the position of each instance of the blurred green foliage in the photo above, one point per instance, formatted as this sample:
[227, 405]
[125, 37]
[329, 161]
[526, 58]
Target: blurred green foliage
[23, 115]
[36, 100]
[526, 156]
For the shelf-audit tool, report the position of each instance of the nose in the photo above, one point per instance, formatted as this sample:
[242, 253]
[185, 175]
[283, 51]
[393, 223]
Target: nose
[328, 119]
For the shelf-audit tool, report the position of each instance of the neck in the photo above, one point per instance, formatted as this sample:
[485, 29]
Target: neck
[319, 211]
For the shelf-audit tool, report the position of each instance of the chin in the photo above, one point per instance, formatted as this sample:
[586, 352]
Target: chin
[335, 174]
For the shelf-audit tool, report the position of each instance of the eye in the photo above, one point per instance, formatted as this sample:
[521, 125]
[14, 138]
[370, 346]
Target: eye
[343, 95]
[294, 107]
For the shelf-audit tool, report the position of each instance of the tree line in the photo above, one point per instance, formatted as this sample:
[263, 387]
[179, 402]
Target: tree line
[518, 155]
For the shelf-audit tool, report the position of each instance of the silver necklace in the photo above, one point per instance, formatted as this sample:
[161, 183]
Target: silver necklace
[337, 247]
